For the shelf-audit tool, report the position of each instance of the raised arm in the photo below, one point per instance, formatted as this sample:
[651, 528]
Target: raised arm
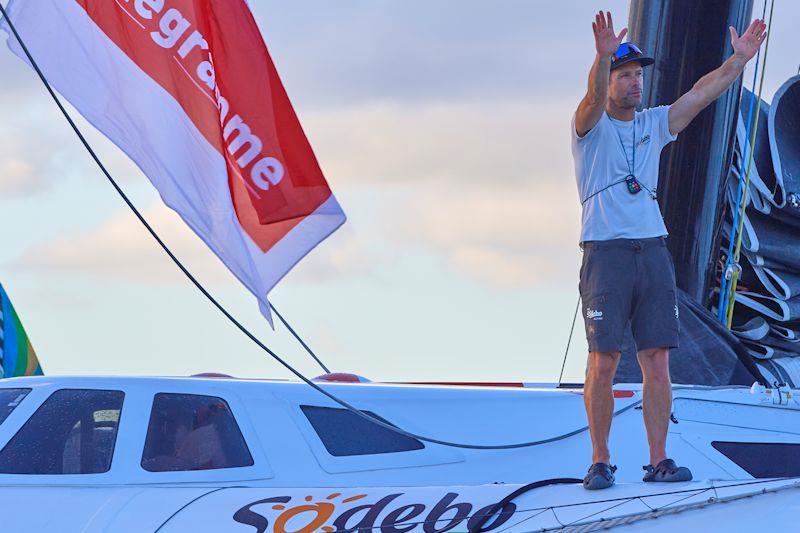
[712, 85]
[593, 104]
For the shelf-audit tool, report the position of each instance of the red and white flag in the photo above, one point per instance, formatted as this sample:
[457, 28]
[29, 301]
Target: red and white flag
[188, 90]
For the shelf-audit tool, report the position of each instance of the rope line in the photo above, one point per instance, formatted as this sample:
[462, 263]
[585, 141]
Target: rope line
[531, 517]
[731, 301]
[238, 324]
[730, 264]
[299, 339]
[601, 511]
[671, 509]
[569, 339]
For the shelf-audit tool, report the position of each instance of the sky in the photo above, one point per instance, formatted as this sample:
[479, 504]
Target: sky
[442, 127]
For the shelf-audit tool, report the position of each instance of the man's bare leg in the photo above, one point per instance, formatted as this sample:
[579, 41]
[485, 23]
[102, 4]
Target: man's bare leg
[599, 400]
[657, 404]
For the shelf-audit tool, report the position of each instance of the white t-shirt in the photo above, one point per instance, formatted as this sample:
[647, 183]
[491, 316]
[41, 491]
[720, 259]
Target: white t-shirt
[604, 156]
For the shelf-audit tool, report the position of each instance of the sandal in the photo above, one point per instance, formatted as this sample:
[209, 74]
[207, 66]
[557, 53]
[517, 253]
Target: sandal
[666, 471]
[600, 476]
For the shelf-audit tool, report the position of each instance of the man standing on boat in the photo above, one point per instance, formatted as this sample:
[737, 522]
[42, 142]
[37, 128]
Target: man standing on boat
[627, 275]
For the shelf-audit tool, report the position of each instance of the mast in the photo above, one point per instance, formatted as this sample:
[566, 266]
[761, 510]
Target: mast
[688, 39]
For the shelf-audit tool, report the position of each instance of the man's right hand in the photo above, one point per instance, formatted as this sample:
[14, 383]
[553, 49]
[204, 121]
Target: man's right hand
[605, 40]
[593, 105]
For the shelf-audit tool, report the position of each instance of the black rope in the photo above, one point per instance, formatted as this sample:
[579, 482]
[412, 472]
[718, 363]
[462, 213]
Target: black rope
[569, 339]
[560, 523]
[653, 194]
[623, 180]
[641, 499]
[499, 506]
[187, 504]
[300, 340]
[235, 322]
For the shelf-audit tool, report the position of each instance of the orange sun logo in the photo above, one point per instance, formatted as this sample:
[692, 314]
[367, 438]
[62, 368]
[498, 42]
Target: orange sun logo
[319, 513]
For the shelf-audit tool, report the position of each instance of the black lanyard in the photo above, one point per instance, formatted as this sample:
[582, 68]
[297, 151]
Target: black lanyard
[634, 185]
[631, 164]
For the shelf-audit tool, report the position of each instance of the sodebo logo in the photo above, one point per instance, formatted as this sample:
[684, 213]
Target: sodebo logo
[385, 515]
[594, 314]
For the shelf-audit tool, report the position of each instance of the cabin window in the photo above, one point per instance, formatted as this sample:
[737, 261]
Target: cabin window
[191, 432]
[72, 432]
[344, 433]
[9, 400]
[763, 459]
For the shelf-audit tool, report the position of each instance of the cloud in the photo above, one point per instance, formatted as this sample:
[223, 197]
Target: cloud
[487, 183]
[121, 249]
[18, 178]
[491, 187]
[495, 142]
[26, 155]
[501, 267]
[39, 150]
[423, 51]
[504, 234]
[349, 253]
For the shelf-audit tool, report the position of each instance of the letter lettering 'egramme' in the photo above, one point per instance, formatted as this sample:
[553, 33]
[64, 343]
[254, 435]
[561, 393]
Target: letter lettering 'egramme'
[267, 170]
[205, 71]
[244, 137]
[173, 26]
[195, 40]
[224, 106]
[145, 8]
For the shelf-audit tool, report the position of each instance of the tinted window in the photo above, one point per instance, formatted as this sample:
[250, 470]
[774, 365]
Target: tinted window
[763, 459]
[344, 433]
[191, 432]
[9, 400]
[72, 432]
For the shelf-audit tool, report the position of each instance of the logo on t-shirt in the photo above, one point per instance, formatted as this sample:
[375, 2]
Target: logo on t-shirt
[644, 140]
[592, 314]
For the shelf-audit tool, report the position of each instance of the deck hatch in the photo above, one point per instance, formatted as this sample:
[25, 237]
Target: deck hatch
[763, 459]
[346, 434]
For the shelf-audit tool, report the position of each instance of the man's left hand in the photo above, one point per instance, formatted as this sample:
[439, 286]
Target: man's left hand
[751, 40]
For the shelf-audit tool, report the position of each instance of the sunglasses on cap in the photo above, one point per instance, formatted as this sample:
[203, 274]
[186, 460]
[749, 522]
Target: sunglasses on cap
[627, 51]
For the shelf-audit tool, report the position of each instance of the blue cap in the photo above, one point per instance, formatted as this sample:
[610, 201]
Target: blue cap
[628, 52]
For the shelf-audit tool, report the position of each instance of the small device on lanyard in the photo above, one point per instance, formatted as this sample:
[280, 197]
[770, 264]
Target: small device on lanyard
[634, 187]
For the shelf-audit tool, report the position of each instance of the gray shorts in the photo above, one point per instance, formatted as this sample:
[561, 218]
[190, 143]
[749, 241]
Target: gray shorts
[629, 281]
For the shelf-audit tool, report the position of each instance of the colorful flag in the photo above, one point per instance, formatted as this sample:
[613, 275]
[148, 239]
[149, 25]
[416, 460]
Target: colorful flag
[17, 357]
[188, 90]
